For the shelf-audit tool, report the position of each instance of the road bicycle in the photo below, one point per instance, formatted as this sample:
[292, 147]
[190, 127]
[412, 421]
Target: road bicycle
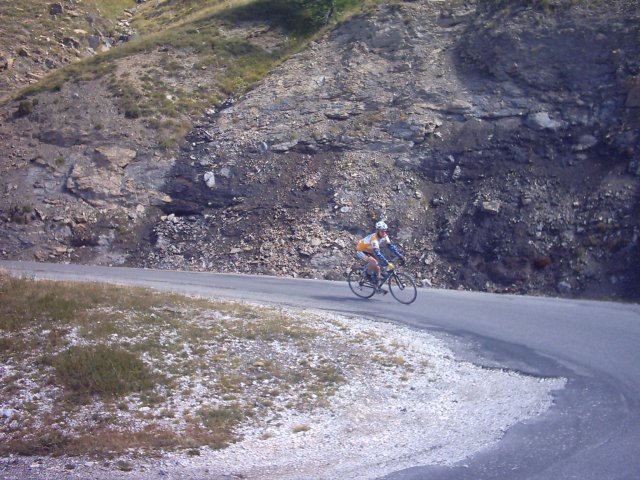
[401, 285]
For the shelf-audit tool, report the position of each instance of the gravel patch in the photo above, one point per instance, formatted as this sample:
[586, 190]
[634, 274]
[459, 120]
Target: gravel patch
[412, 403]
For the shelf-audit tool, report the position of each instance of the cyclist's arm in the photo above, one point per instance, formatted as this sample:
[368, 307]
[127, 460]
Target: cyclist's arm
[380, 257]
[395, 250]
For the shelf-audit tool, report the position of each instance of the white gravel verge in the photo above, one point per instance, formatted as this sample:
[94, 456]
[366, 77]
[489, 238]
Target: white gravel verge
[385, 418]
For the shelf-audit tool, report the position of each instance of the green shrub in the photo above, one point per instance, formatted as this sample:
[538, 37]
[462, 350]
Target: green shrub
[102, 370]
[24, 108]
[299, 17]
[220, 423]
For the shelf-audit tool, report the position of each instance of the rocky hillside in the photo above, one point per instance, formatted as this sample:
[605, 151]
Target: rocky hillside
[498, 139]
[40, 37]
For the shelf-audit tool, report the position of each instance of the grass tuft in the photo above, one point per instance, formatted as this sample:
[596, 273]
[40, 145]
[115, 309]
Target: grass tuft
[102, 370]
[301, 428]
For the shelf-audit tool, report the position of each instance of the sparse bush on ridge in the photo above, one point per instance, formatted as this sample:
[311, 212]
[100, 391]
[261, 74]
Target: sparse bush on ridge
[197, 30]
[191, 30]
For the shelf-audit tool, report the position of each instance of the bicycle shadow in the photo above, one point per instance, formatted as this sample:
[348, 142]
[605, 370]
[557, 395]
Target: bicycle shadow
[348, 299]
[352, 300]
[350, 306]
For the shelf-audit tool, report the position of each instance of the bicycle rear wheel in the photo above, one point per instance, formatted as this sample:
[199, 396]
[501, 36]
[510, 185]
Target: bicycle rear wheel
[403, 288]
[359, 285]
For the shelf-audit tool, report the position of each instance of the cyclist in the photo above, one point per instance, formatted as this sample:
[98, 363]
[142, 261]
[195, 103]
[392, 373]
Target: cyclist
[368, 249]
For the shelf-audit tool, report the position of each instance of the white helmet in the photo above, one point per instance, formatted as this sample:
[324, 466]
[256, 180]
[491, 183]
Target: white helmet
[381, 225]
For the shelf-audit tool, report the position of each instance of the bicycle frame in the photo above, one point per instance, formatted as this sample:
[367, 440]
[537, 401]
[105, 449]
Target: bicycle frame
[401, 285]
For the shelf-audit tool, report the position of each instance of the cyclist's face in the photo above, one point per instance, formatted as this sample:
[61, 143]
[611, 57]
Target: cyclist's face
[382, 233]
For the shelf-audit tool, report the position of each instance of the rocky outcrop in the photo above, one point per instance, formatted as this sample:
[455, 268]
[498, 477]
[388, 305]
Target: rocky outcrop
[495, 174]
[502, 152]
[102, 180]
[75, 185]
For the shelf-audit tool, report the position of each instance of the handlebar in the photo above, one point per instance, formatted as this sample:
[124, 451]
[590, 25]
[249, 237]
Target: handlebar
[398, 261]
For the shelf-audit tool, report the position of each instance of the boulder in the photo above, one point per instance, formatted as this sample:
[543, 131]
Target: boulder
[585, 142]
[564, 287]
[490, 206]
[112, 157]
[71, 42]
[337, 114]
[56, 9]
[96, 185]
[210, 179]
[284, 146]
[458, 105]
[406, 130]
[542, 121]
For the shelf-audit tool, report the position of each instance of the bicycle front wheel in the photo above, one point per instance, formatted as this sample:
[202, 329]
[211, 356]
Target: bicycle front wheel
[403, 288]
[359, 285]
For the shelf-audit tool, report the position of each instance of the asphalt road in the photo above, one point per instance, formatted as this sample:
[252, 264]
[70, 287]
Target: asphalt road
[591, 433]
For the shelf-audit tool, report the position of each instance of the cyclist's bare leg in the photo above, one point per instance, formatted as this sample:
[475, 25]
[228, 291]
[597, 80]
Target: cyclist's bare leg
[373, 267]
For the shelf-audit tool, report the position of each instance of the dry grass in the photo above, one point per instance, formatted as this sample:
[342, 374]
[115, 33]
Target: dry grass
[103, 371]
[200, 65]
[96, 369]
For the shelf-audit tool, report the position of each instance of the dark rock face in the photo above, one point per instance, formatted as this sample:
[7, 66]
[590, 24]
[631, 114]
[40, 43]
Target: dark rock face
[499, 143]
[498, 146]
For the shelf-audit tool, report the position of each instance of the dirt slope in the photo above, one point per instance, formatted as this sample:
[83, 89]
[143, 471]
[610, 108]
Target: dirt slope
[499, 143]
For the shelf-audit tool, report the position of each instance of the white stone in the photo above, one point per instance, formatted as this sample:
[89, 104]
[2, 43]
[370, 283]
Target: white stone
[542, 121]
[210, 179]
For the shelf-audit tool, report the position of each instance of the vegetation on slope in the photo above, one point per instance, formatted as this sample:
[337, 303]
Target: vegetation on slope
[98, 369]
[191, 55]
